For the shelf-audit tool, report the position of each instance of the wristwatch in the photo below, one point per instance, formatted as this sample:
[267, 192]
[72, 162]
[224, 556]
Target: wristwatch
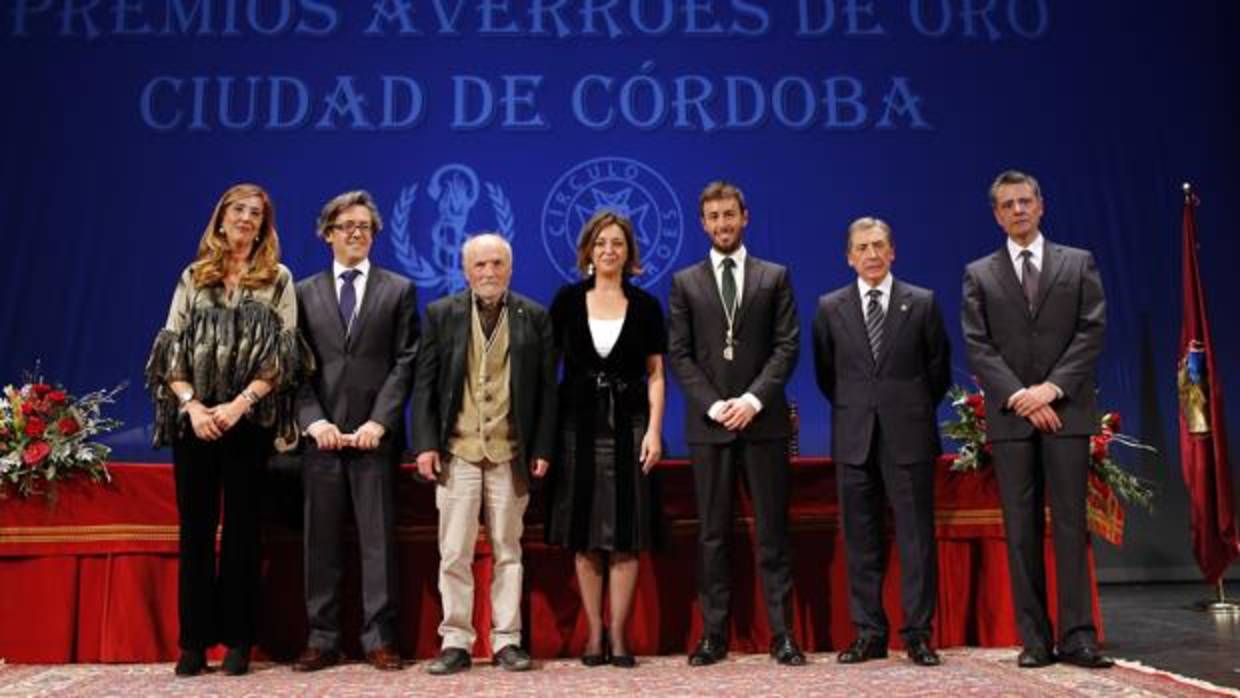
[184, 397]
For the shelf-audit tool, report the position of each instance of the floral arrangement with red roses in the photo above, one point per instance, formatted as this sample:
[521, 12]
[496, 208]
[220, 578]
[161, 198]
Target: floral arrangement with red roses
[45, 436]
[974, 452]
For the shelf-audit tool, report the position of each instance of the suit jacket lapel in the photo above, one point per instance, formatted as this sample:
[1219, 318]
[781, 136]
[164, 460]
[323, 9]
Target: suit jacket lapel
[854, 318]
[461, 325]
[897, 312]
[752, 279]
[516, 337]
[708, 289]
[1051, 266]
[1001, 263]
[325, 288]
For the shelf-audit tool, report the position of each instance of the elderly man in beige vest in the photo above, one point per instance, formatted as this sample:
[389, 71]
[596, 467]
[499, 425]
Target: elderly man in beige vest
[483, 424]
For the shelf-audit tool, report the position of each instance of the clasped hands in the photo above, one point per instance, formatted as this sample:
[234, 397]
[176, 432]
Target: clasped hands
[327, 436]
[736, 414]
[1034, 403]
[210, 423]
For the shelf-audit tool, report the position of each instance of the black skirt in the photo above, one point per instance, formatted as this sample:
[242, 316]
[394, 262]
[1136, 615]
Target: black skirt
[599, 504]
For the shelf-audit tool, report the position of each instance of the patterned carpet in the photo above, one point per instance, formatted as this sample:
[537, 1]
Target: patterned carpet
[966, 672]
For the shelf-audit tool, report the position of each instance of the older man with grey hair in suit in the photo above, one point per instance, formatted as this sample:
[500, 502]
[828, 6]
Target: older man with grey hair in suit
[483, 425]
[882, 358]
[362, 323]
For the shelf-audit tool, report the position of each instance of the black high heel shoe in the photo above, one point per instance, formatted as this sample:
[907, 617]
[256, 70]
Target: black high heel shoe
[604, 655]
[622, 661]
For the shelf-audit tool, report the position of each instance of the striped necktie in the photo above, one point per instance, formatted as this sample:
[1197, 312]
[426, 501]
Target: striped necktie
[874, 321]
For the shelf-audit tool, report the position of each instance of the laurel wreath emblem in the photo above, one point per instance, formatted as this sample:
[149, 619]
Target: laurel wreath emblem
[423, 272]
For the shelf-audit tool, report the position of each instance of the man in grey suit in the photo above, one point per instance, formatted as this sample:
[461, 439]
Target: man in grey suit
[483, 424]
[883, 360]
[733, 341]
[362, 324]
[1033, 316]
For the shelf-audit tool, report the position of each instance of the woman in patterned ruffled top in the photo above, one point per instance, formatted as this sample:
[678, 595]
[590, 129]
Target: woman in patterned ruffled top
[222, 374]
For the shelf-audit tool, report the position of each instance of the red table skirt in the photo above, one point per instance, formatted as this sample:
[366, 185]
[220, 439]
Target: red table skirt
[93, 577]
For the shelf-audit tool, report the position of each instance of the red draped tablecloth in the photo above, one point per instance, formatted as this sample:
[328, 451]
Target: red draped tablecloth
[92, 577]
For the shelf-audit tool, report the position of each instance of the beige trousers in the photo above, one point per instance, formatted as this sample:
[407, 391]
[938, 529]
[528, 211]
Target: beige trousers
[465, 489]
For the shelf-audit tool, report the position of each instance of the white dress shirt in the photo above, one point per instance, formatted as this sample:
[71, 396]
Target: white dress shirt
[1036, 247]
[884, 300]
[738, 272]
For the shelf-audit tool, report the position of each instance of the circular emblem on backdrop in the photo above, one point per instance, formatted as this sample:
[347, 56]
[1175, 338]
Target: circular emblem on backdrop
[626, 186]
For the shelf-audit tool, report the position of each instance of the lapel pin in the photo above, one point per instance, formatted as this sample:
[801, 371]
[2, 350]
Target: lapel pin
[904, 307]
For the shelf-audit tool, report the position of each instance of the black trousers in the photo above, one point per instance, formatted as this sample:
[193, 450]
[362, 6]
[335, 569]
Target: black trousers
[766, 471]
[216, 602]
[910, 489]
[336, 482]
[1031, 472]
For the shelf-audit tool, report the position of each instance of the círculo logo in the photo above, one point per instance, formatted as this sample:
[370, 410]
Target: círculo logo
[455, 188]
[626, 186]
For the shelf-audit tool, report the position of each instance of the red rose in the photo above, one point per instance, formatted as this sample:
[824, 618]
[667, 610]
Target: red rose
[1113, 421]
[35, 452]
[35, 427]
[27, 408]
[56, 397]
[1098, 446]
[41, 389]
[68, 425]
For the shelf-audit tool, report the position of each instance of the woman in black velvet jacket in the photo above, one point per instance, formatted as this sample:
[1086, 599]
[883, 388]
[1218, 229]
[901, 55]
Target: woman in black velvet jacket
[604, 503]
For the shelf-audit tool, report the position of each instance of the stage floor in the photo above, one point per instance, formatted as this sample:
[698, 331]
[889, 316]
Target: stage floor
[1155, 625]
[965, 672]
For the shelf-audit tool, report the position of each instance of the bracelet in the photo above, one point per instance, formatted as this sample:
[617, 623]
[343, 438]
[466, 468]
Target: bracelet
[251, 397]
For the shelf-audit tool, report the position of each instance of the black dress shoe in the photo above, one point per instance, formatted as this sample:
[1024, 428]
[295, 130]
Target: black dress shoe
[1034, 657]
[623, 661]
[237, 660]
[513, 658]
[1087, 657]
[863, 649]
[921, 653]
[785, 651]
[449, 661]
[710, 649]
[315, 659]
[191, 663]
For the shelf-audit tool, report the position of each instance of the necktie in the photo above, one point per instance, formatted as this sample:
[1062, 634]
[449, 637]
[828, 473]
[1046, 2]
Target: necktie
[729, 285]
[348, 297]
[874, 321]
[1028, 277]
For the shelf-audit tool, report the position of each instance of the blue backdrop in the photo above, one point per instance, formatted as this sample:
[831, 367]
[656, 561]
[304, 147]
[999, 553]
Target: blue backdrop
[127, 118]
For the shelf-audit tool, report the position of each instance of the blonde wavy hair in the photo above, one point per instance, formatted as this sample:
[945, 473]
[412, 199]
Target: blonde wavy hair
[210, 267]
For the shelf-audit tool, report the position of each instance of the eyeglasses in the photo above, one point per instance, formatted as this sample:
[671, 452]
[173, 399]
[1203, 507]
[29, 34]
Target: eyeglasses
[351, 226]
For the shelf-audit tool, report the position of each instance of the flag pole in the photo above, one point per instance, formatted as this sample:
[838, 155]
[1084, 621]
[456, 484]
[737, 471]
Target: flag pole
[1220, 604]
